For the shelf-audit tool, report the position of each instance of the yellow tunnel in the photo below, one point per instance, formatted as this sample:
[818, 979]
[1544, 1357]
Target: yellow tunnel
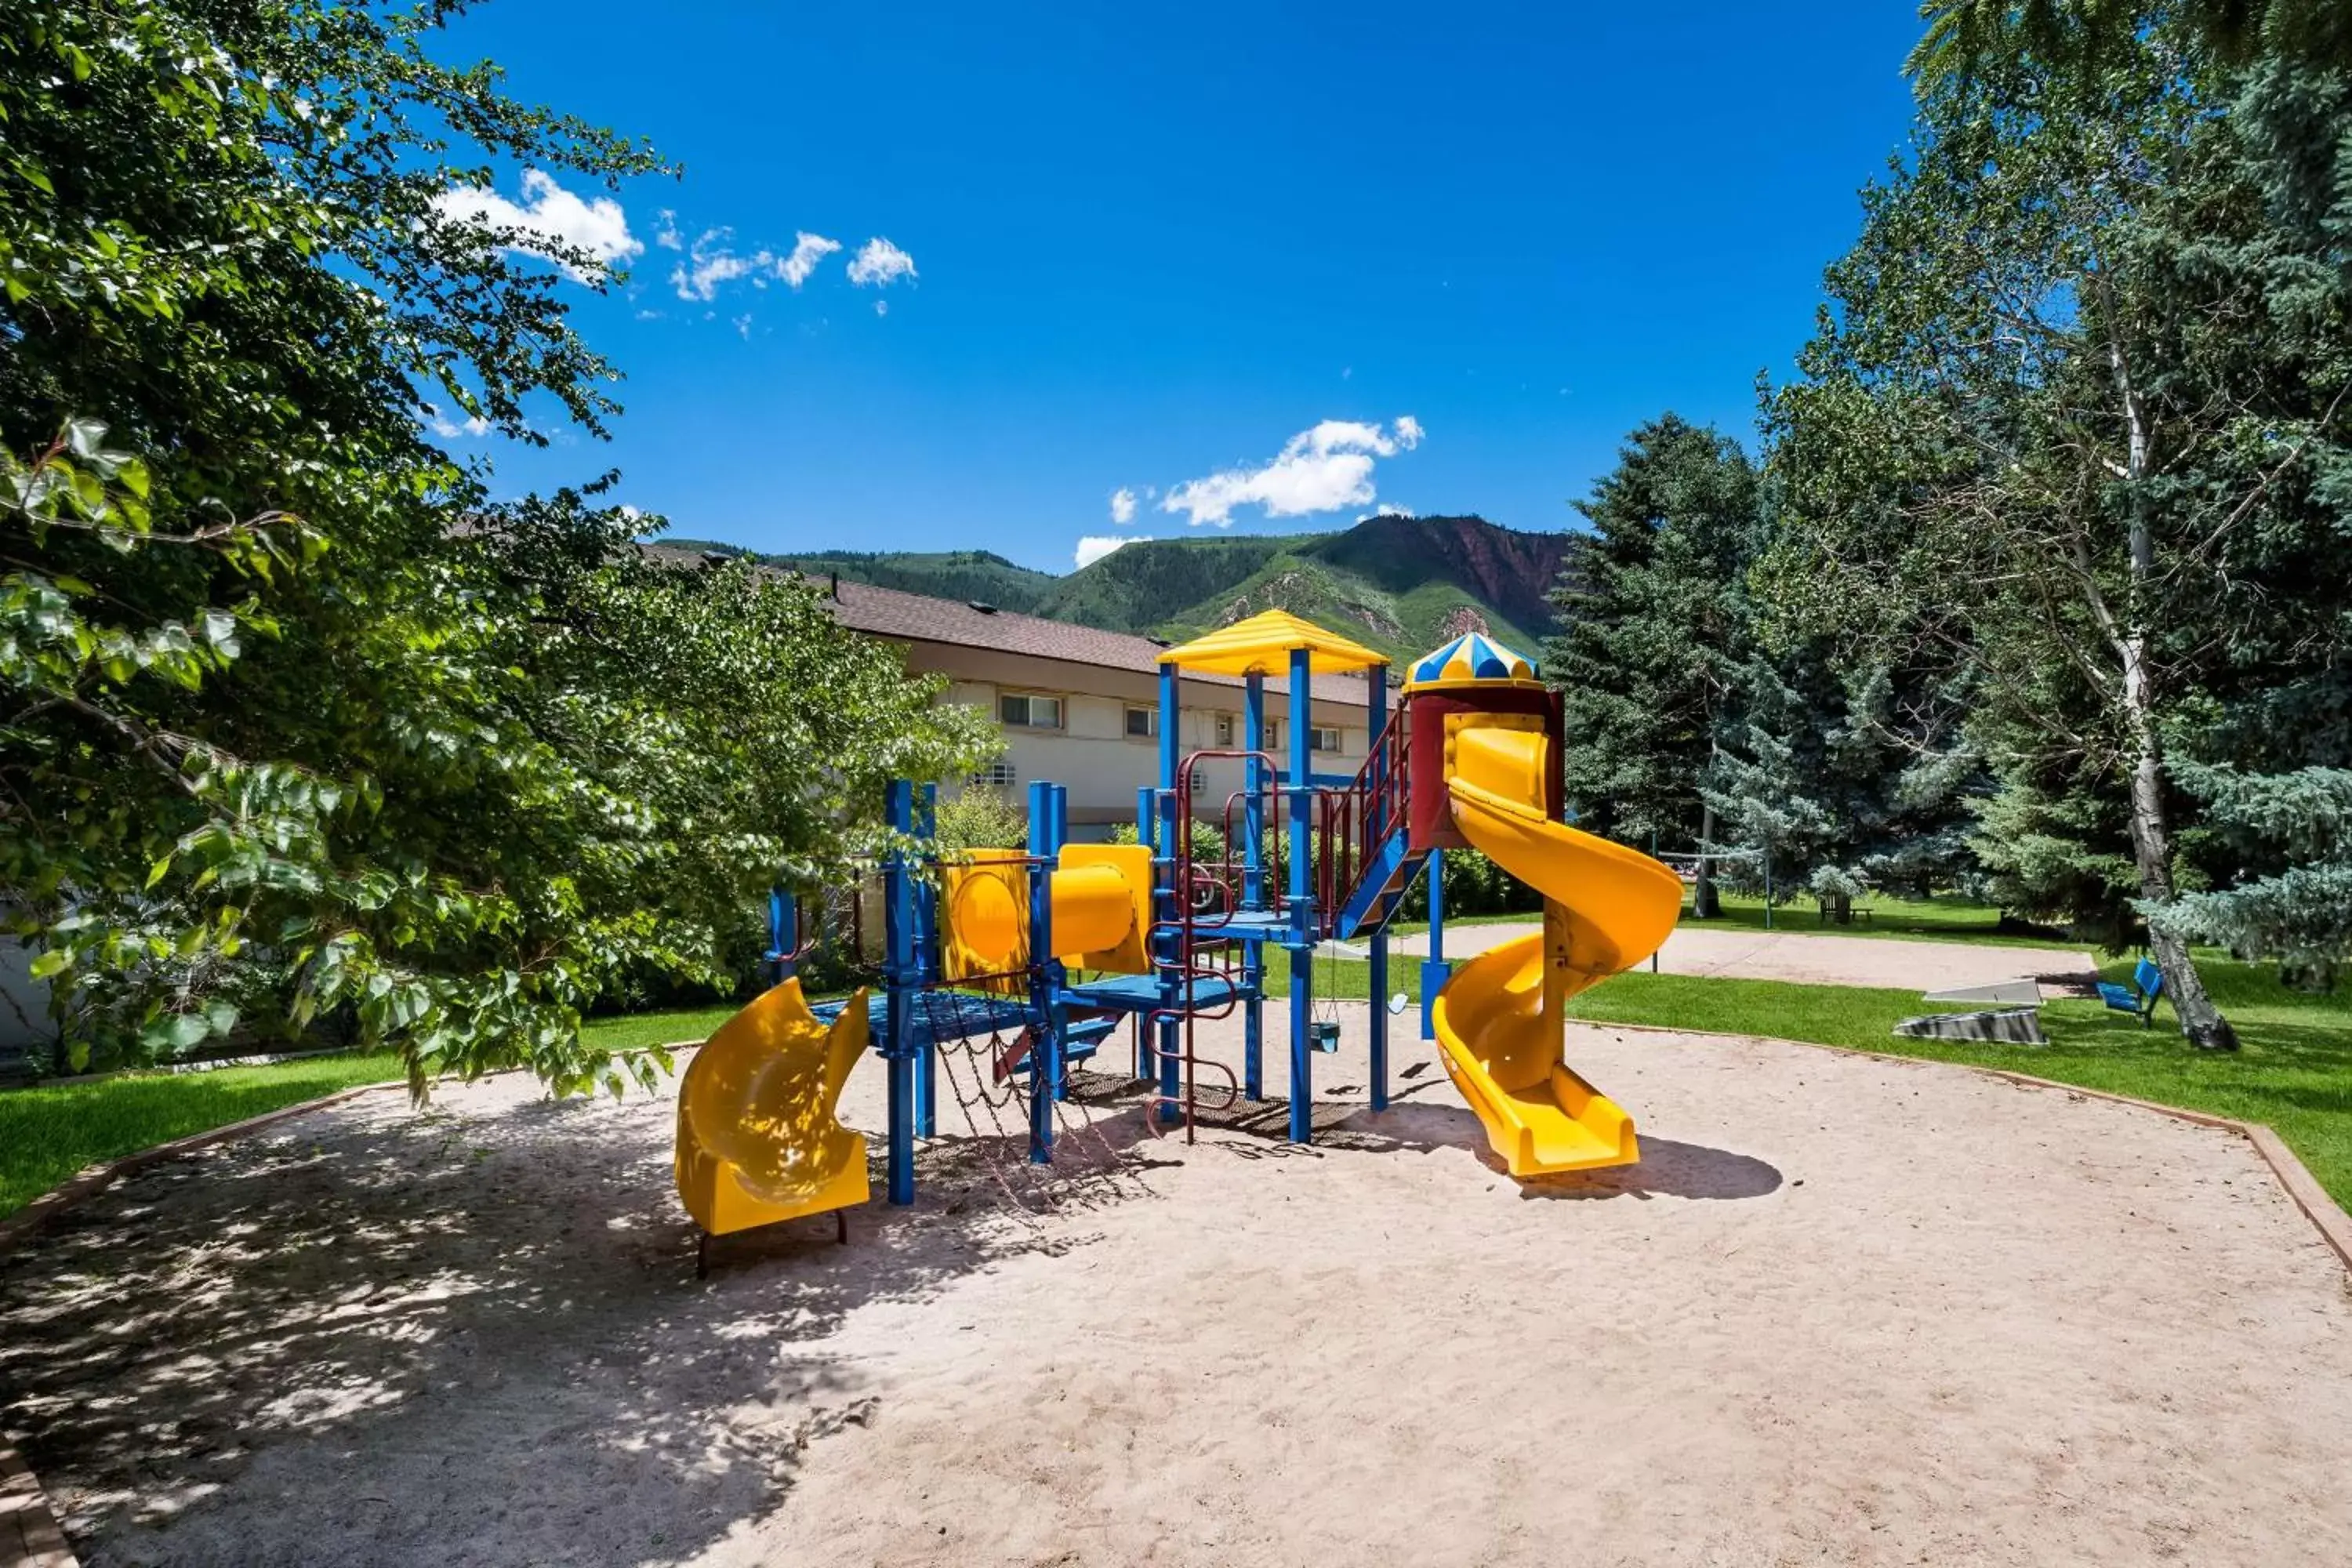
[1101, 910]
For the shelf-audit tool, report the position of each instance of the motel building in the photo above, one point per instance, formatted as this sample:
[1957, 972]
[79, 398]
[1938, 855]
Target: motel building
[1080, 707]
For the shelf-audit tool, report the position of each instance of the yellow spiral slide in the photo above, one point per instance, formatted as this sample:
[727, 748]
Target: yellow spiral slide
[1500, 1019]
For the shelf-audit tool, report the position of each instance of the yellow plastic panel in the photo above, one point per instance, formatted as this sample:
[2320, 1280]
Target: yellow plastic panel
[758, 1140]
[984, 915]
[1104, 920]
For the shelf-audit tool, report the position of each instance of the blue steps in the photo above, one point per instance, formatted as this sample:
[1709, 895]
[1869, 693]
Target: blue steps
[1382, 889]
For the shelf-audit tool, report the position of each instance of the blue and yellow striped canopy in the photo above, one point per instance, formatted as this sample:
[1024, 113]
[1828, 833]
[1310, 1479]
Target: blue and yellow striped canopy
[1470, 658]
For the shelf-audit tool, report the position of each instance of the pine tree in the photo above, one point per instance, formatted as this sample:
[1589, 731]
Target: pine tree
[2299, 910]
[1847, 780]
[1655, 634]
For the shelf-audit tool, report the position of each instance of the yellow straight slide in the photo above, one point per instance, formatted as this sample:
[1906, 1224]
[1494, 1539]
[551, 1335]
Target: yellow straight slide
[1501, 1019]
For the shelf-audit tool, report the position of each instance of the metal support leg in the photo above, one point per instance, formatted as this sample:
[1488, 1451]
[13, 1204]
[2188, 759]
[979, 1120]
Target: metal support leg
[1253, 1044]
[1380, 989]
[902, 1130]
[927, 1092]
[1302, 1046]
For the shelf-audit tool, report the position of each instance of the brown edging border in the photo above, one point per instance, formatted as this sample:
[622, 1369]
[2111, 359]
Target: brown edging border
[2325, 1214]
[29, 1536]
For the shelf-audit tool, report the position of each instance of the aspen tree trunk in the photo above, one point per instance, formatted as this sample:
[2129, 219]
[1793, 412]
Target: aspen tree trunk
[2151, 828]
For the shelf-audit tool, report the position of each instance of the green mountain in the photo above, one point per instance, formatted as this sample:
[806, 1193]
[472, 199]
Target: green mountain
[967, 574]
[1401, 585]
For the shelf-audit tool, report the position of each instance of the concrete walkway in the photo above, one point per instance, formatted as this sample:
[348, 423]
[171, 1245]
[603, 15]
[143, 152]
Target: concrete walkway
[1739, 953]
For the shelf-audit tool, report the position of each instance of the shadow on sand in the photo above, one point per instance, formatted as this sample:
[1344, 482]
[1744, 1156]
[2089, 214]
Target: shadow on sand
[321, 1346]
[1667, 1168]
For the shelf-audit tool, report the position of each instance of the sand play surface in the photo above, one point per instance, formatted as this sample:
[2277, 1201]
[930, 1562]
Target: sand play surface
[1846, 1311]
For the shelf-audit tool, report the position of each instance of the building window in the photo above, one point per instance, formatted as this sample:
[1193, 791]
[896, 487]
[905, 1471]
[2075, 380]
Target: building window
[1321, 740]
[1224, 730]
[998, 775]
[1023, 712]
[1142, 724]
[1269, 735]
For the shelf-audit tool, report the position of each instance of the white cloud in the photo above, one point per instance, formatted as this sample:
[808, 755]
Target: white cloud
[1323, 469]
[1093, 547]
[666, 235]
[713, 261]
[880, 263]
[1122, 506]
[1386, 509]
[449, 429]
[743, 327]
[881, 307]
[808, 250]
[599, 229]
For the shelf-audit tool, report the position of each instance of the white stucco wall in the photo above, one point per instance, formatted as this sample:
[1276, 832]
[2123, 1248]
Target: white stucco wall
[1093, 756]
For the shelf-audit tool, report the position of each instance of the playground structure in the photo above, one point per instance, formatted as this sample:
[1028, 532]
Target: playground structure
[1044, 950]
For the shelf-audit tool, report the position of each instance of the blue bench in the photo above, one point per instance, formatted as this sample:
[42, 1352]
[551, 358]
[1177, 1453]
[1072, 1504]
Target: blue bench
[2141, 996]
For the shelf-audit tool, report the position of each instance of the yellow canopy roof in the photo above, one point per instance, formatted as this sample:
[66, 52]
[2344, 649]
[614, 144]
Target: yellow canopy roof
[1263, 644]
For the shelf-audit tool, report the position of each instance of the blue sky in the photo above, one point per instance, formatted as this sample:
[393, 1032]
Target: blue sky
[1280, 266]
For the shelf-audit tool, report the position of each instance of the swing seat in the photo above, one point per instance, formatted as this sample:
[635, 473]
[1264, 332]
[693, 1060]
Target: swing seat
[1323, 1035]
[2139, 998]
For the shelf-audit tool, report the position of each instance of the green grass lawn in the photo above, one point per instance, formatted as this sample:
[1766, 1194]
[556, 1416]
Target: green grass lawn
[1945, 919]
[2295, 1071]
[634, 1031]
[49, 1132]
[1949, 918]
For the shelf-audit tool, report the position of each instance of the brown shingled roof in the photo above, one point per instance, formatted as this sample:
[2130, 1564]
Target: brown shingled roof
[919, 617]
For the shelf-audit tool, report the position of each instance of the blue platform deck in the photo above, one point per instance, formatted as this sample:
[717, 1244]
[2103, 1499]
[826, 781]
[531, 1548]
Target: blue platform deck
[1140, 994]
[945, 1016]
[1243, 925]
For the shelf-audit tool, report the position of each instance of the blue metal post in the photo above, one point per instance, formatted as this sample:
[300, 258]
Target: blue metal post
[927, 956]
[783, 934]
[1041, 986]
[1434, 969]
[899, 979]
[1254, 897]
[1376, 832]
[1302, 901]
[1173, 984]
[1058, 1015]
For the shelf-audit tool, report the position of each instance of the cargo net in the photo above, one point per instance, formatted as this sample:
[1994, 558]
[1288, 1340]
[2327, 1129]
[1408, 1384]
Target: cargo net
[983, 1046]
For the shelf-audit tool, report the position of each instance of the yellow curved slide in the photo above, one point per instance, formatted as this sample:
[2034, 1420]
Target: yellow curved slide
[757, 1137]
[1500, 1019]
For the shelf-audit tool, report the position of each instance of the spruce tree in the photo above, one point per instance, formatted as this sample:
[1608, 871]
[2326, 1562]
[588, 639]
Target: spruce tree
[1655, 634]
[2299, 909]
